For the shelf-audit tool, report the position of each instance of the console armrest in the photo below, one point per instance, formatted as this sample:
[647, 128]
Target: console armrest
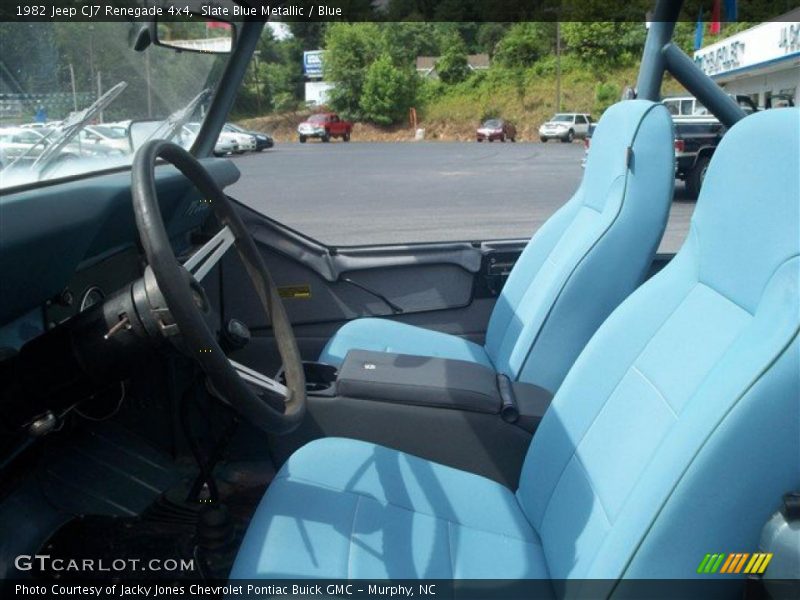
[419, 380]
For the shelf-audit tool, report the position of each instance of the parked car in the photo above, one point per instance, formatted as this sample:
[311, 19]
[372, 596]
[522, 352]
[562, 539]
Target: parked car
[587, 141]
[697, 135]
[496, 129]
[262, 140]
[689, 106]
[17, 141]
[565, 127]
[324, 126]
[696, 139]
[29, 142]
[38, 125]
[244, 141]
[227, 143]
[114, 136]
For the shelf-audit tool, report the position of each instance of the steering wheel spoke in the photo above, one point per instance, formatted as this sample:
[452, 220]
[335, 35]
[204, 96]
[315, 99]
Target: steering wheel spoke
[201, 262]
[260, 380]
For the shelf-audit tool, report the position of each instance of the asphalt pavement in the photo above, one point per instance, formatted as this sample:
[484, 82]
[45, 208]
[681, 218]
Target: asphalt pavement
[372, 193]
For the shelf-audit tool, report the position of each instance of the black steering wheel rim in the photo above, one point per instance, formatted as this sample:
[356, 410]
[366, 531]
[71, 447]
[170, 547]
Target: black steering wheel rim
[175, 285]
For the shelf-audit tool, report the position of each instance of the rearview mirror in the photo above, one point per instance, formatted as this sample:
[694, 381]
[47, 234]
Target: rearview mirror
[196, 35]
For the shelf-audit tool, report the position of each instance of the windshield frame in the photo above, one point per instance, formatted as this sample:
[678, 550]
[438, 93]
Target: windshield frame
[221, 102]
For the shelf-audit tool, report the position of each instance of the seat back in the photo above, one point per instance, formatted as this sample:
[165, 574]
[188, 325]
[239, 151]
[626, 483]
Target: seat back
[592, 253]
[678, 429]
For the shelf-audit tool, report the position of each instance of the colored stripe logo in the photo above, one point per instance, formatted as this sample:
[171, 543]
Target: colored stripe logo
[736, 562]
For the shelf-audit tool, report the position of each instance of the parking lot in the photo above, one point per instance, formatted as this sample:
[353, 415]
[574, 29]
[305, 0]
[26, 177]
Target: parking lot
[372, 193]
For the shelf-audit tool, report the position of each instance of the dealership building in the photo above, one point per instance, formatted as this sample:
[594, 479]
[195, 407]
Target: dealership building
[762, 62]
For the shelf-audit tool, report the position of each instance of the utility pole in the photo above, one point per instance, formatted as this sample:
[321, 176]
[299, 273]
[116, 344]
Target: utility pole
[255, 78]
[558, 66]
[100, 91]
[91, 55]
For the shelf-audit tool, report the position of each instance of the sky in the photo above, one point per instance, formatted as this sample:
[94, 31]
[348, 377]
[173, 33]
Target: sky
[281, 30]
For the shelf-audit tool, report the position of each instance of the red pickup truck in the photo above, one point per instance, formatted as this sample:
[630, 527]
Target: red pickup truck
[324, 126]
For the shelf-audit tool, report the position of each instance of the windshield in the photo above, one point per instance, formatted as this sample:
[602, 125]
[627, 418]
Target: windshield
[493, 124]
[77, 90]
[562, 119]
[109, 131]
[316, 119]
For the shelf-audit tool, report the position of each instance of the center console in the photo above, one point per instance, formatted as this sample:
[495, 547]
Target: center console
[454, 412]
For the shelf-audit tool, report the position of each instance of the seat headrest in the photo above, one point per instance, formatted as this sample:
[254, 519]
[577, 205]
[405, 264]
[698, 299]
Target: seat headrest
[622, 126]
[747, 219]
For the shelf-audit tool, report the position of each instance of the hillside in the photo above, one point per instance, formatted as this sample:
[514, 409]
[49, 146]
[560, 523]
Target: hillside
[452, 114]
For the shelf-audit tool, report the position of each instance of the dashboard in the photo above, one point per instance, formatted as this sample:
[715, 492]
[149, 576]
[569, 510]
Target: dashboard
[92, 285]
[65, 245]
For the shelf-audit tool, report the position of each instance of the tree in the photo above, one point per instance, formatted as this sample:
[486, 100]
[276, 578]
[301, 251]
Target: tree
[524, 44]
[388, 92]
[350, 48]
[404, 42]
[311, 34]
[604, 44]
[452, 66]
[489, 35]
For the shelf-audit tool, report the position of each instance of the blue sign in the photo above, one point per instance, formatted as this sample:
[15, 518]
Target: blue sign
[312, 63]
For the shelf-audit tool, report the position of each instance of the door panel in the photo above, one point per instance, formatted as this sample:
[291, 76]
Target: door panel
[310, 298]
[449, 287]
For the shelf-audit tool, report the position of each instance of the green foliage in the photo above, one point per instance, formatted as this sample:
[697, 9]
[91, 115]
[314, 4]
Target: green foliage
[452, 66]
[489, 35]
[311, 34]
[429, 90]
[490, 112]
[524, 44]
[605, 94]
[604, 45]
[405, 41]
[372, 63]
[388, 92]
[350, 48]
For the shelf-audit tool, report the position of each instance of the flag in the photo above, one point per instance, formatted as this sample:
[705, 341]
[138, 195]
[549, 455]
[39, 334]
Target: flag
[714, 26]
[731, 11]
[698, 31]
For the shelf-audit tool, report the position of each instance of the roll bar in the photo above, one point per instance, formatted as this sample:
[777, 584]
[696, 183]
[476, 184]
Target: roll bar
[661, 55]
[701, 86]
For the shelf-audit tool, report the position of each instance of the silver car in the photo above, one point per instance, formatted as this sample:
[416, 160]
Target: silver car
[565, 127]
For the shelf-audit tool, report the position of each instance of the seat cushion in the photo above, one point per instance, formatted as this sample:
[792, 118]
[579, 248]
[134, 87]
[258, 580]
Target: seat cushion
[342, 508]
[383, 335]
[599, 245]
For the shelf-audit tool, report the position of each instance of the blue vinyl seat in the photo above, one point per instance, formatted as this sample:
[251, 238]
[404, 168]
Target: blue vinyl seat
[675, 433]
[578, 267]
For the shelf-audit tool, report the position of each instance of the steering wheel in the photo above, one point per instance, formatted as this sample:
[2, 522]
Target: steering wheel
[178, 305]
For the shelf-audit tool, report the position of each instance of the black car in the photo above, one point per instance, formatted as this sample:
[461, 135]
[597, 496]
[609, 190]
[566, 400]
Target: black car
[263, 141]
